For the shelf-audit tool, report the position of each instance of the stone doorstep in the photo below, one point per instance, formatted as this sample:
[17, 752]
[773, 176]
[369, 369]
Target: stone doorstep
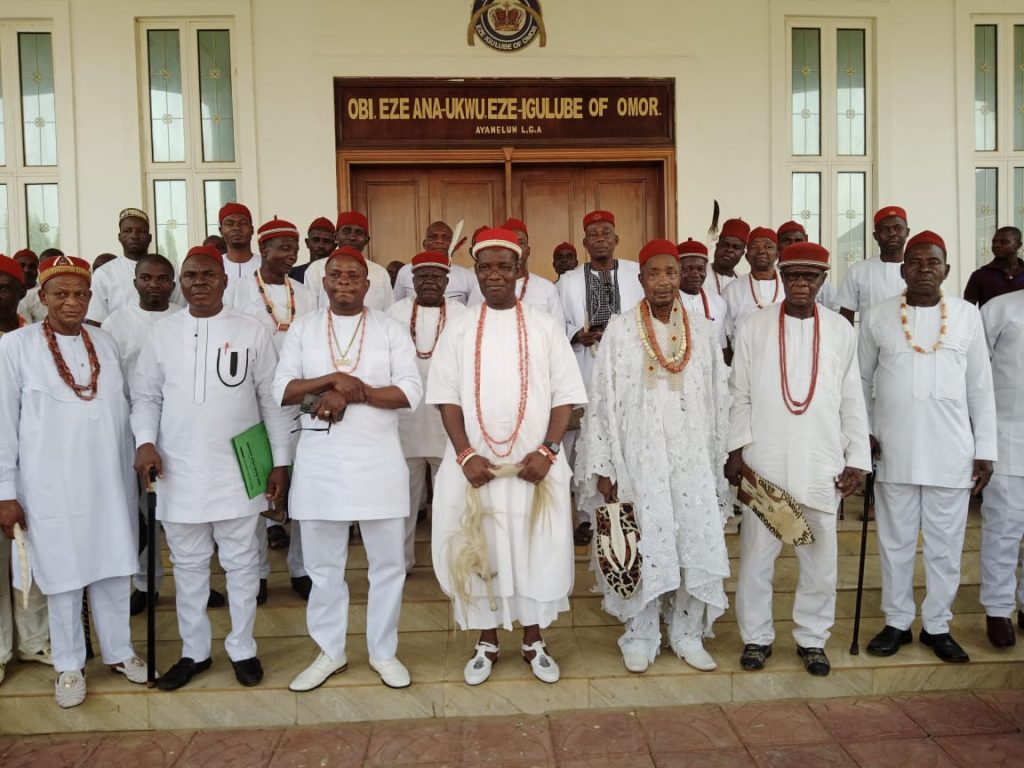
[592, 677]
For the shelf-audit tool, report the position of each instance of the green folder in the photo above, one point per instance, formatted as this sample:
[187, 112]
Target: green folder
[255, 459]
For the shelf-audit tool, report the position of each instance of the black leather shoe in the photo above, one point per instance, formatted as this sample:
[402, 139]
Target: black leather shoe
[1000, 631]
[301, 585]
[889, 640]
[181, 673]
[815, 660]
[139, 601]
[754, 656]
[945, 647]
[261, 596]
[248, 672]
[1020, 619]
[215, 600]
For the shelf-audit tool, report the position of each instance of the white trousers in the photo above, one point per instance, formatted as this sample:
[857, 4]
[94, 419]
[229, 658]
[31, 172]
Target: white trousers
[29, 625]
[1002, 529]
[814, 606]
[191, 547]
[325, 551]
[940, 514]
[108, 603]
[684, 619]
[569, 449]
[417, 494]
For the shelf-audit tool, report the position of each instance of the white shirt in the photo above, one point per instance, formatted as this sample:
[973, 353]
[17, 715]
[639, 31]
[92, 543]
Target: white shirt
[129, 327]
[113, 286]
[244, 295]
[537, 292]
[31, 307]
[462, 284]
[716, 308]
[236, 270]
[923, 406]
[868, 282]
[420, 429]
[198, 383]
[67, 461]
[745, 295]
[1003, 318]
[380, 296]
[357, 470]
[802, 454]
[715, 283]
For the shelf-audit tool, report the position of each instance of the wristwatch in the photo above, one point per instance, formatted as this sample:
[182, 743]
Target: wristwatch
[552, 446]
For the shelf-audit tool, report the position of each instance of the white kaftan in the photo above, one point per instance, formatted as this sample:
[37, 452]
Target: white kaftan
[356, 471]
[198, 383]
[714, 312]
[67, 461]
[236, 270]
[113, 286]
[538, 292]
[31, 307]
[745, 295]
[716, 283]
[869, 282]
[665, 448]
[380, 296]
[244, 296]
[534, 568]
[129, 327]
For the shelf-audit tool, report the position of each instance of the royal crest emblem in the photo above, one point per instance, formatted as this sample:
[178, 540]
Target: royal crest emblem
[507, 25]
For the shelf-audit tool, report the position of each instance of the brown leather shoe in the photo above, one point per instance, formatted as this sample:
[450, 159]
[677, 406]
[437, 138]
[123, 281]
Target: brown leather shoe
[1000, 632]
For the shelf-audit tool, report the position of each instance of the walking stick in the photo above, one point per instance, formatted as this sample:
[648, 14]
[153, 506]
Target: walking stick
[151, 555]
[86, 626]
[869, 500]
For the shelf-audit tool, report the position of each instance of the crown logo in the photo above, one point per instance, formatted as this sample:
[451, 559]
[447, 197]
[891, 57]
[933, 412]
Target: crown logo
[505, 18]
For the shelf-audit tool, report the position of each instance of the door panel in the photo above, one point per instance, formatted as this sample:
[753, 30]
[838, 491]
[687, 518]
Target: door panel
[475, 196]
[550, 201]
[396, 202]
[633, 194]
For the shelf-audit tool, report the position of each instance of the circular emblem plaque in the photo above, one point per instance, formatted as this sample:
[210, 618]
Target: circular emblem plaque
[507, 25]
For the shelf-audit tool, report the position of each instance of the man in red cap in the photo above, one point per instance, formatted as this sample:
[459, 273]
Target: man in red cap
[506, 383]
[792, 232]
[237, 229]
[353, 230]
[12, 292]
[564, 259]
[654, 435]
[797, 420]
[204, 378]
[64, 406]
[319, 243]
[277, 301]
[928, 385]
[729, 249]
[352, 369]
[761, 288]
[693, 269]
[461, 281]
[873, 280]
[1005, 273]
[425, 314]
[31, 308]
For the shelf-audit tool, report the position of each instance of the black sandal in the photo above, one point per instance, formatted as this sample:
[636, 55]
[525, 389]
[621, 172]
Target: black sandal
[277, 537]
[583, 535]
[754, 656]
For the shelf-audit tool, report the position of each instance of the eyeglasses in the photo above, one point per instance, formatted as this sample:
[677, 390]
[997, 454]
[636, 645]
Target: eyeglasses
[298, 416]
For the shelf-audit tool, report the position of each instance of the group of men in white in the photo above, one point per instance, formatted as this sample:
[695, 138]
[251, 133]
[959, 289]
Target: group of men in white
[657, 382]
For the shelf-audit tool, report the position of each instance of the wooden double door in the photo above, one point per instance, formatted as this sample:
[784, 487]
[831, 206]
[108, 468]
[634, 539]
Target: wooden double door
[551, 199]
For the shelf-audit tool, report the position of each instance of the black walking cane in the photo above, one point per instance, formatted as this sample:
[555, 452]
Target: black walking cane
[86, 625]
[151, 555]
[869, 500]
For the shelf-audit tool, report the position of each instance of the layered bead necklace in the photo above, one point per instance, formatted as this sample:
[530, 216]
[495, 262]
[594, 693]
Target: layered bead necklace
[794, 406]
[437, 334]
[704, 301]
[282, 325]
[523, 348]
[679, 333]
[754, 294]
[943, 318]
[82, 392]
[341, 359]
[526, 281]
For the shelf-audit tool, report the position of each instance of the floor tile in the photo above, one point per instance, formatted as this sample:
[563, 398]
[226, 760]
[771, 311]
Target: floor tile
[618, 761]
[152, 749]
[770, 724]
[687, 729]
[597, 734]
[1001, 750]
[506, 741]
[339, 747]
[899, 753]
[721, 758]
[801, 756]
[399, 744]
[230, 749]
[861, 719]
[49, 751]
[954, 714]
[1008, 703]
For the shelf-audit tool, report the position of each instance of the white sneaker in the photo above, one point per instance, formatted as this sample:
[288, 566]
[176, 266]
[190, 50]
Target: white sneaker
[544, 667]
[478, 669]
[43, 656]
[134, 669]
[392, 672]
[692, 652]
[70, 689]
[316, 674]
[635, 662]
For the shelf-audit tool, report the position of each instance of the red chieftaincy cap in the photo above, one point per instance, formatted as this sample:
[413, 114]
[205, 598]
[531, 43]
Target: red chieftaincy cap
[765, 232]
[350, 252]
[595, 216]
[515, 224]
[790, 226]
[737, 228]
[431, 259]
[233, 209]
[321, 223]
[692, 248]
[206, 250]
[498, 237]
[55, 266]
[276, 228]
[804, 255]
[890, 210]
[658, 248]
[926, 237]
[353, 218]
[9, 266]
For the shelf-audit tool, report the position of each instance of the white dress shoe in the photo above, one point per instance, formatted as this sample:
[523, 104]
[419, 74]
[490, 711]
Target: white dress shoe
[478, 669]
[692, 652]
[392, 672]
[316, 674]
[544, 667]
[134, 669]
[43, 656]
[70, 689]
[635, 662]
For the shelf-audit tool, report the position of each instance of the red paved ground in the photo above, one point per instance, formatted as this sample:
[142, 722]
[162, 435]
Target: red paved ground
[922, 731]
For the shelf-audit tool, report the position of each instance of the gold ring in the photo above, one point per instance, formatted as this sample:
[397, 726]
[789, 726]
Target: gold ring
[327, 414]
